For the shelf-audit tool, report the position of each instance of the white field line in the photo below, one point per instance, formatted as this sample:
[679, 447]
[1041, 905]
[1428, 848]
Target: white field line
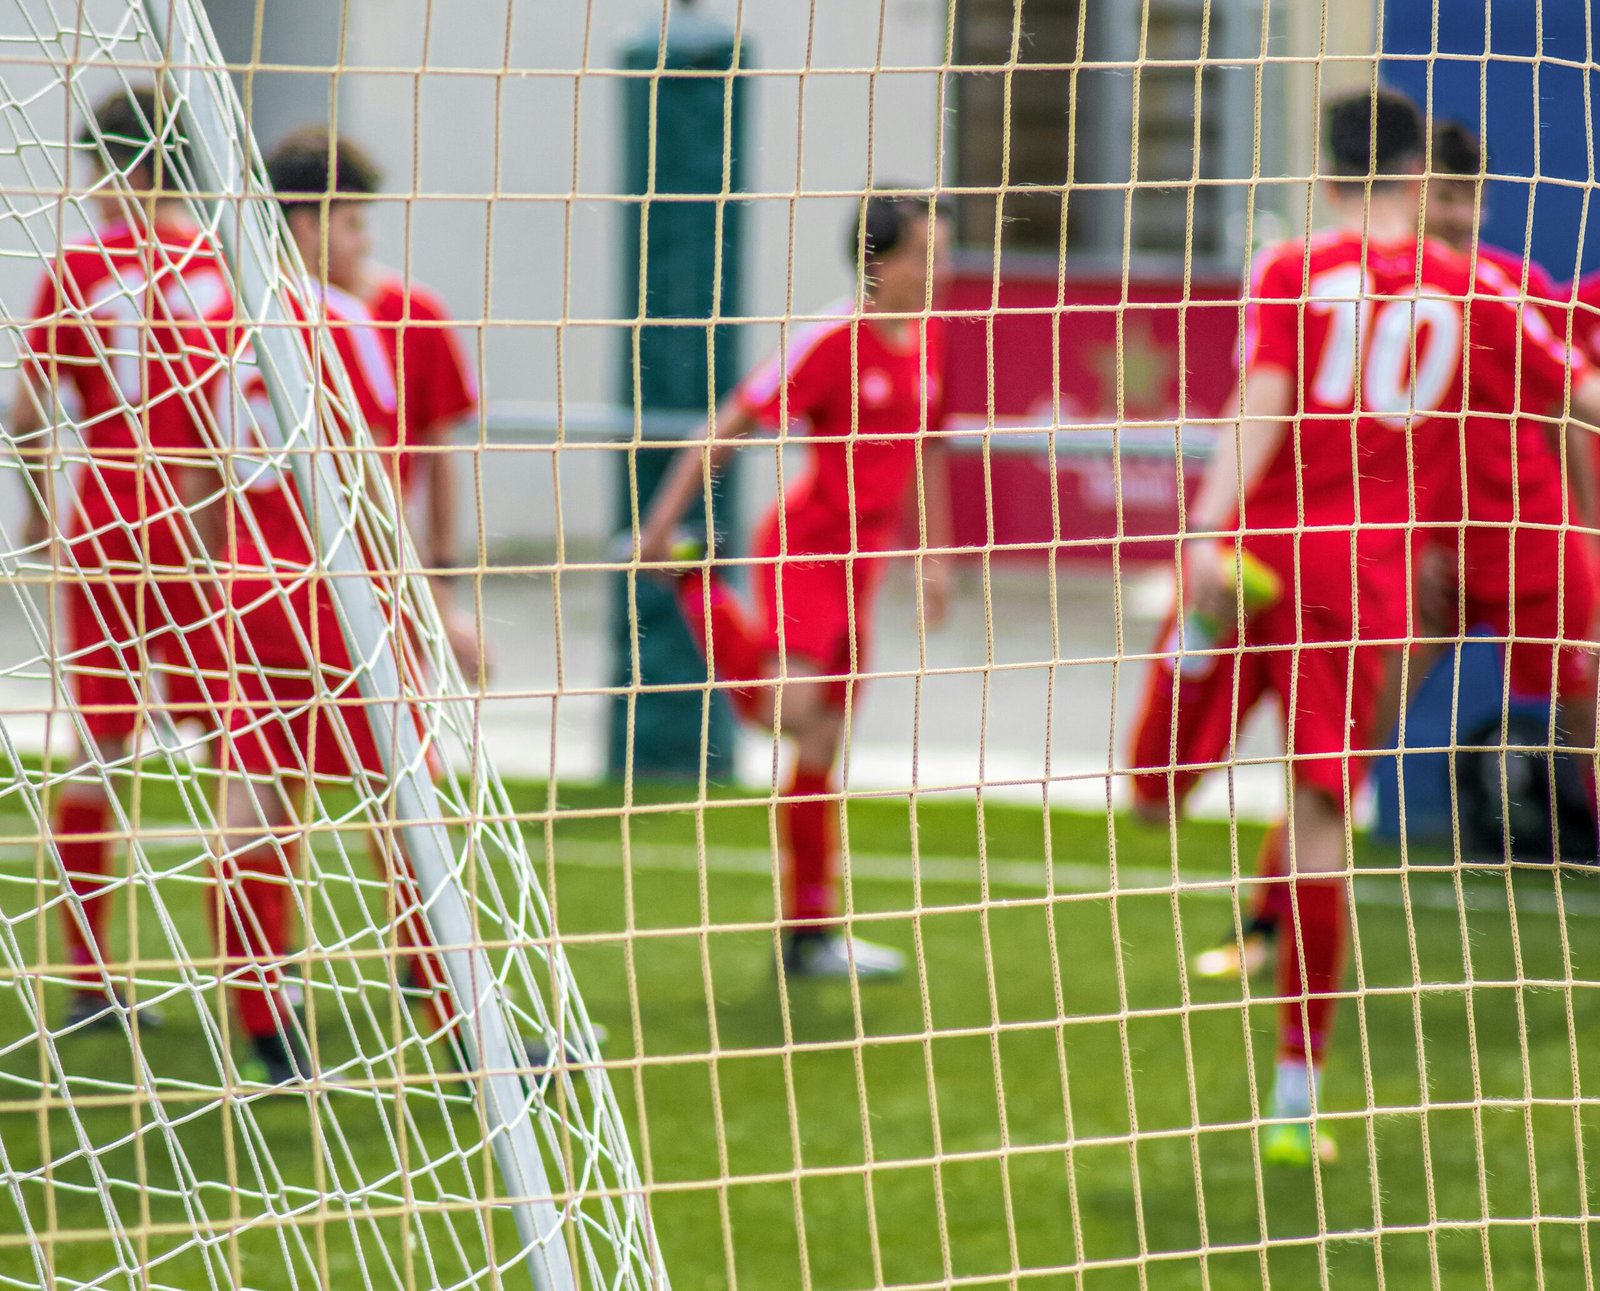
[1432, 887]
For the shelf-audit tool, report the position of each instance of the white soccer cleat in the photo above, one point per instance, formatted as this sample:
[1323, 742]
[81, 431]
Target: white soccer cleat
[824, 955]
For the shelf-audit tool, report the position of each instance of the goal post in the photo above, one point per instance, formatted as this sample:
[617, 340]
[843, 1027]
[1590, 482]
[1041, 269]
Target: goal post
[226, 168]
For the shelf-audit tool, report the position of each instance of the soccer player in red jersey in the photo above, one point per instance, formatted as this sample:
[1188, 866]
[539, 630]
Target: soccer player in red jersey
[292, 658]
[432, 384]
[1321, 484]
[1511, 564]
[867, 383]
[107, 348]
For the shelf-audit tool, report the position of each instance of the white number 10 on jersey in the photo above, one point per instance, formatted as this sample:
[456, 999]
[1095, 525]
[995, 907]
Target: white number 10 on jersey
[1410, 348]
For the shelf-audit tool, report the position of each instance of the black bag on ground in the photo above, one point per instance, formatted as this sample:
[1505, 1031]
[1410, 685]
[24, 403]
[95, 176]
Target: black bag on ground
[1522, 800]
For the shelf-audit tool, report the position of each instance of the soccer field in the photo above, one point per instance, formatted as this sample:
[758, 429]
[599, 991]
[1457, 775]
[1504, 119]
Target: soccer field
[921, 1128]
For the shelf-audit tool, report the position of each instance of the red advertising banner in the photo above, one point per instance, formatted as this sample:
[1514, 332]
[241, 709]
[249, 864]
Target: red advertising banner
[1053, 356]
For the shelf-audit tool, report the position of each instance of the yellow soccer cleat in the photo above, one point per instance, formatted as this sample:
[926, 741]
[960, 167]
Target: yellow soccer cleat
[1248, 955]
[1292, 1144]
[1258, 585]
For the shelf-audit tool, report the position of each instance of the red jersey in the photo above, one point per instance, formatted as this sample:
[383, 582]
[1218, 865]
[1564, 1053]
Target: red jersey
[436, 384]
[112, 325]
[1405, 316]
[865, 402]
[279, 538]
[1512, 469]
[1586, 315]
[1541, 286]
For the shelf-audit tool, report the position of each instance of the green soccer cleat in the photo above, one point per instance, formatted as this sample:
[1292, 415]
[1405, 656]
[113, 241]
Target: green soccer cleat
[1295, 1144]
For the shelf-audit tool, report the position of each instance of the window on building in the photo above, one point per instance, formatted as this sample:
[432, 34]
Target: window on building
[1111, 92]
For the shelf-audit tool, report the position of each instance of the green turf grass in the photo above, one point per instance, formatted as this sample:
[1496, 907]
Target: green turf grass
[1041, 1102]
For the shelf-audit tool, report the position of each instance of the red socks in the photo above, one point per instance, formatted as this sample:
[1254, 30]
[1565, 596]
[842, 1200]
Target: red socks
[735, 645]
[255, 905]
[80, 824]
[1310, 965]
[810, 839]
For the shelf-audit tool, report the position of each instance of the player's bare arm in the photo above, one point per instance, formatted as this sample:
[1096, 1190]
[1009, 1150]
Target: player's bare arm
[940, 531]
[1243, 451]
[24, 427]
[700, 459]
[1578, 432]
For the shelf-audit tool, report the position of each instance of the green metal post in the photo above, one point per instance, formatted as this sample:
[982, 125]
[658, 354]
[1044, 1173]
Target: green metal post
[683, 135]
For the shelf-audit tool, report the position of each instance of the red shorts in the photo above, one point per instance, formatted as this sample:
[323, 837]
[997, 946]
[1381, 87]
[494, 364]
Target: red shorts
[297, 709]
[816, 607]
[1189, 724]
[1544, 613]
[142, 635]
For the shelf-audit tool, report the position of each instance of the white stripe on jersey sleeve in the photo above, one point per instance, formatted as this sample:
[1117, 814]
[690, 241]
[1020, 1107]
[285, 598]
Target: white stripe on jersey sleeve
[353, 315]
[764, 380]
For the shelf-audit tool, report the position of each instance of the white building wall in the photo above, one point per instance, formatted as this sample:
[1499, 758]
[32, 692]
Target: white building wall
[514, 159]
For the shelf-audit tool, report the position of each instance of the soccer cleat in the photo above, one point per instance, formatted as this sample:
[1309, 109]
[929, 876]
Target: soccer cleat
[1248, 954]
[278, 1060]
[1295, 1143]
[834, 955]
[93, 1009]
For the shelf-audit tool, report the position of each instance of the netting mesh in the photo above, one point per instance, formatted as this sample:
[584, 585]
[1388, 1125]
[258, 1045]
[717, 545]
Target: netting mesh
[168, 1159]
[361, 698]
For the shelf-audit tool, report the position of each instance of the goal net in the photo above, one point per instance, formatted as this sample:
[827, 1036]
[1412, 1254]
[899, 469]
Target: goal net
[452, 835]
[466, 1141]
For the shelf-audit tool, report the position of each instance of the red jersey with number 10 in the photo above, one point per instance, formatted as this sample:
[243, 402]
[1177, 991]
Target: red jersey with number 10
[1435, 346]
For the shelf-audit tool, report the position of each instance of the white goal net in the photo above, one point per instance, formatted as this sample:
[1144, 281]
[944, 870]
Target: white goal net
[451, 1123]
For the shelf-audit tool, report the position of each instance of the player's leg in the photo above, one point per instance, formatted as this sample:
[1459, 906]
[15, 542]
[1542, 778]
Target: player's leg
[1403, 673]
[257, 855]
[1333, 690]
[739, 641]
[109, 682]
[1188, 720]
[825, 607]
[1311, 948]
[1187, 723]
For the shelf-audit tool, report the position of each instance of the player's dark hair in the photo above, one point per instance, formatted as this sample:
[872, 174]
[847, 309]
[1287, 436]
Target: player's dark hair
[1456, 150]
[1373, 135]
[882, 222]
[132, 125]
[311, 166]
